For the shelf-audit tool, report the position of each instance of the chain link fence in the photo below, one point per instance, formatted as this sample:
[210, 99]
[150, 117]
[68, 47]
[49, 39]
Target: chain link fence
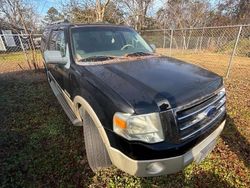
[20, 50]
[216, 48]
[224, 49]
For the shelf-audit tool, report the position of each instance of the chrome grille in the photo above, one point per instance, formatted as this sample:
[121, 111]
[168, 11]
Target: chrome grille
[200, 116]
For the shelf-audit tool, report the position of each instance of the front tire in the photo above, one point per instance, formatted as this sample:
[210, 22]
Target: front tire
[97, 154]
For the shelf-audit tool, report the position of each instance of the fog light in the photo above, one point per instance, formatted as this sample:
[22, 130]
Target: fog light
[155, 168]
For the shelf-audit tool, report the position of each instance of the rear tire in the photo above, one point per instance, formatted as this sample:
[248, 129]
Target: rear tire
[97, 154]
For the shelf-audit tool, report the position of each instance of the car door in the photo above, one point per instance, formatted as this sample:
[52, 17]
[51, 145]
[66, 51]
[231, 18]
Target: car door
[57, 42]
[63, 71]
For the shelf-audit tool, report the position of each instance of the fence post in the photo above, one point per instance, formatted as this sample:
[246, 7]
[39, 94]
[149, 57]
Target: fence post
[2, 45]
[164, 38]
[164, 32]
[233, 53]
[201, 38]
[184, 41]
[21, 43]
[171, 41]
[24, 51]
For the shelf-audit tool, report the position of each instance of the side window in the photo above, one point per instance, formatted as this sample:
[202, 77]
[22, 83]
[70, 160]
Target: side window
[60, 43]
[44, 39]
[52, 40]
[57, 42]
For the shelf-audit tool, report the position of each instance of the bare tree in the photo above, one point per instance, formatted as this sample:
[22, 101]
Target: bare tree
[243, 12]
[114, 13]
[19, 14]
[78, 11]
[100, 9]
[136, 11]
[183, 13]
[229, 12]
[86, 10]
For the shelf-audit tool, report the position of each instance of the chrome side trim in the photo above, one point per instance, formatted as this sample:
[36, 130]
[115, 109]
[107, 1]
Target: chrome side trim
[66, 103]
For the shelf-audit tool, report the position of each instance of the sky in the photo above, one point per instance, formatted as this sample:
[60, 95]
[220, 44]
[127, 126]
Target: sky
[44, 5]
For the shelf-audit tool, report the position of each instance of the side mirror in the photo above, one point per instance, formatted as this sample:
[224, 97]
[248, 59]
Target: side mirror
[54, 57]
[153, 47]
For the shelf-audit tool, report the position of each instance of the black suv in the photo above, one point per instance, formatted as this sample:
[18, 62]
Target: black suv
[147, 114]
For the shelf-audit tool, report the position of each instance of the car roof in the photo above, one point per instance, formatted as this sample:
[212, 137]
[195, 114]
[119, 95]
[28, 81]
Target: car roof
[67, 25]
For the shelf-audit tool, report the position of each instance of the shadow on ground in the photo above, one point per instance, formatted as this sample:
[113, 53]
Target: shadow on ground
[236, 141]
[38, 145]
[203, 179]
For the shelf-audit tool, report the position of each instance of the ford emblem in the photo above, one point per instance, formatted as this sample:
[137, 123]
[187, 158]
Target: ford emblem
[210, 111]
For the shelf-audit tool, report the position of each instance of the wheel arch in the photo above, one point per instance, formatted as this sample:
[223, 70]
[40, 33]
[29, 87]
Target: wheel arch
[80, 101]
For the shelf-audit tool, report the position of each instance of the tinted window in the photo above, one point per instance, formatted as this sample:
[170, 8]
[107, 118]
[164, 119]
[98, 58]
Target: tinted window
[44, 39]
[57, 42]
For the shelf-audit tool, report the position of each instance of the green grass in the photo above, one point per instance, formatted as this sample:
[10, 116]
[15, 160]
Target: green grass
[16, 56]
[40, 148]
[12, 56]
[38, 144]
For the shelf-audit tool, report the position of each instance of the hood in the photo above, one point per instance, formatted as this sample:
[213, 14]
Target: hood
[147, 82]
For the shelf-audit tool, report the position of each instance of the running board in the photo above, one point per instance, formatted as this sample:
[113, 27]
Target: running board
[66, 107]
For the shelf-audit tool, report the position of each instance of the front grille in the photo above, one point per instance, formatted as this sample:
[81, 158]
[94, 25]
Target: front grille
[191, 120]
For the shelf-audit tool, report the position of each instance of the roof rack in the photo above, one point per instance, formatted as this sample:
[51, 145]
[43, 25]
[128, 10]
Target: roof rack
[60, 21]
[101, 22]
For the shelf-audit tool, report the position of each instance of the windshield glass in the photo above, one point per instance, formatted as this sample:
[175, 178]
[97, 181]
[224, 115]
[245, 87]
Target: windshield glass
[94, 41]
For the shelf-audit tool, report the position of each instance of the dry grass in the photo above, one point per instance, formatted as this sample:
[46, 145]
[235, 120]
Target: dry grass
[40, 148]
[212, 61]
[17, 61]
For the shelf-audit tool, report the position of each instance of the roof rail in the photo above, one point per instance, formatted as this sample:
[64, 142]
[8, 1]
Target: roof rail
[101, 22]
[60, 21]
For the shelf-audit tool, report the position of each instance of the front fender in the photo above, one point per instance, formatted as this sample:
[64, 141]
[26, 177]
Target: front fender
[78, 100]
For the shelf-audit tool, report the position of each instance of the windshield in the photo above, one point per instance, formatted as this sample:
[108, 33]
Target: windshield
[94, 41]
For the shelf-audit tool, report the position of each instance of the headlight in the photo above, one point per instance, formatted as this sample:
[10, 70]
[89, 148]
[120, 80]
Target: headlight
[222, 92]
[146, 128]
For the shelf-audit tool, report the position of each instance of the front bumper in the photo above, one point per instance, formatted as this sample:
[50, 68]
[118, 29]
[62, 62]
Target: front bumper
[145, 168]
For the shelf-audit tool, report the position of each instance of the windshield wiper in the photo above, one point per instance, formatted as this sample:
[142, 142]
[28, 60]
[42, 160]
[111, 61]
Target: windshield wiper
[138, 54]
[97, 58]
